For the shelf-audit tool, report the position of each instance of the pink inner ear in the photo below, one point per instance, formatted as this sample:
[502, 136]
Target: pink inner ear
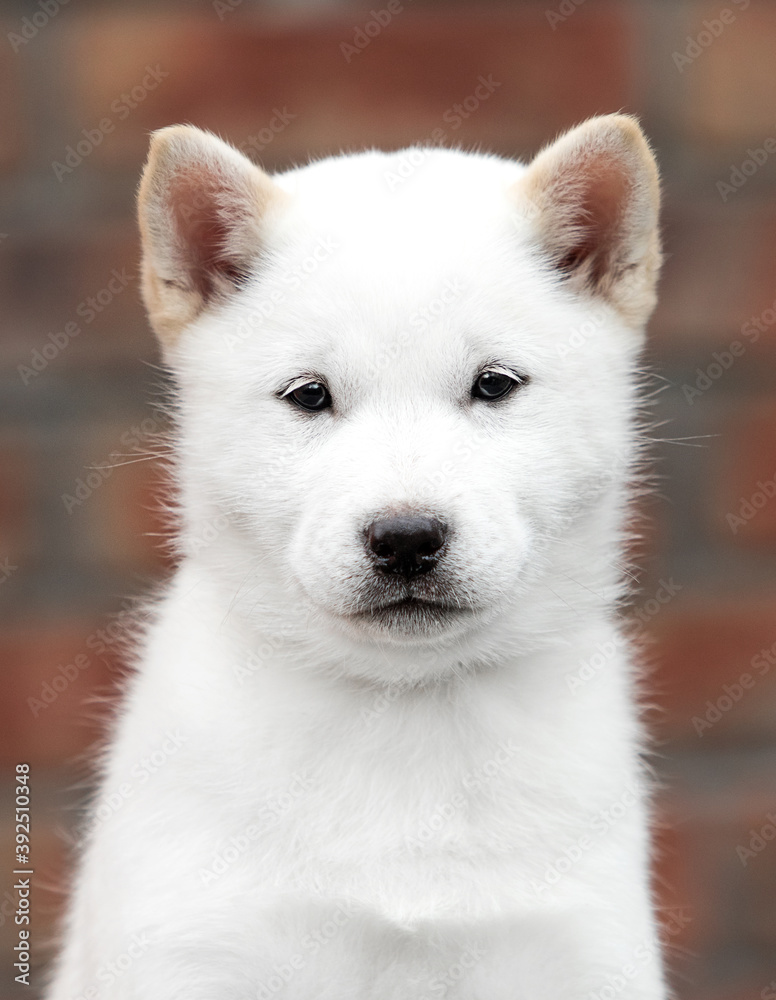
[596, 198]
[205, 218]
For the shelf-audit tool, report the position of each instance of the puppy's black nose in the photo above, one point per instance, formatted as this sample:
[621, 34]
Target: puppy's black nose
[407, 544]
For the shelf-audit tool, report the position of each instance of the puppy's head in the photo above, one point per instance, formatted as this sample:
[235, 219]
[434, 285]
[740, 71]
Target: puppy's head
[405, 378]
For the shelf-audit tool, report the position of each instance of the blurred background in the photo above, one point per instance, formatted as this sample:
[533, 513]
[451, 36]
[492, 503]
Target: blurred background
[81, 86]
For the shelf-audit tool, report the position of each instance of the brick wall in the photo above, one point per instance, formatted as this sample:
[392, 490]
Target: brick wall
[78, 527]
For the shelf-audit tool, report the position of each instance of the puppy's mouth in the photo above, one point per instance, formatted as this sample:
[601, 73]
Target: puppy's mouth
[409, 604]
[410, 614]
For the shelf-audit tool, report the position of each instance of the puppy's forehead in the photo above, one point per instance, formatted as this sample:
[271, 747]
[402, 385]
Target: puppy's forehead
[418, 276]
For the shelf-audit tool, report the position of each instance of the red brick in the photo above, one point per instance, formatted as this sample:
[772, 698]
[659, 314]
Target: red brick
[701, 647]
[720, 896]
[760, 291]
[682, 927]
[230, 76]
[19, 530]
[731, 89]
[719, 272]
[114, 503]
[743, 512]
[749, 989]
[32, 658]
[106, 300]
[61, 277]
[129, 518]
[13, 137]
[32, 270]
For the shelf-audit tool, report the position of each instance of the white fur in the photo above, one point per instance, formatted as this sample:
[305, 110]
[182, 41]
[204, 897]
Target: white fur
[422, 808]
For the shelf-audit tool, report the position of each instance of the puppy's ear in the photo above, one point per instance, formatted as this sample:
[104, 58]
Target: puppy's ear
[201, 205]
[593, 198]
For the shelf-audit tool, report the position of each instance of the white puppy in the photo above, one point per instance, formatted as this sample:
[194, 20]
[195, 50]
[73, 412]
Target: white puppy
[382, 742]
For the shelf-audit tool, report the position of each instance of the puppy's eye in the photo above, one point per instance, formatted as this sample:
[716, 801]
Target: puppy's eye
[492, 385]
[312, 396]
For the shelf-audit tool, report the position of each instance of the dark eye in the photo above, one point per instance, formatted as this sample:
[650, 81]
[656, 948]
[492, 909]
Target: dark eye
[312, 396]
[494, 385]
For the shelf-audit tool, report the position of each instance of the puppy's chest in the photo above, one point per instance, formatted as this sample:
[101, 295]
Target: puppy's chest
[406, 831]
